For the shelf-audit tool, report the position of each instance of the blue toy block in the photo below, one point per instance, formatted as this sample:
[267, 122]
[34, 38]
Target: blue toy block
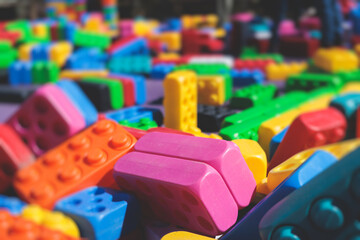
[70, 30]
[160, 71]
[41, 52]
[275, 142]
[130, 64]
[132, 114]
[137, 46]
[87, 58]
[101, 213]
[174, 24]
[348, 104]
[80, 100]
[327, 207]
[139, 83]
[245, 77]
[247, 227]
[13, 204]
[20, 73]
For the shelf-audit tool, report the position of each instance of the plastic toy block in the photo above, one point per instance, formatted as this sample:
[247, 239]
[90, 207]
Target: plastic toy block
[132, 115]
[212, 59]
[211, 90]
[12, 37]
[128, 46]
[310, 130]
[223, 156]
[129, 90]
[139, 83]
[198, 133]
[278, 58]
[52, 220]
[181, 235]
[252, 95]
[325, 208]
[194, 41]
[243, 78]
[349, 76]
[275, 142]
[211, 117]
[84, 38]
[180, 100]
[41, 32]
[248, 225]
[159, 71]
[81, 161]
[347, 104]
[11, 204]
[254, 156]
[25, 51]
[44, 72]
[299, 47]
[137, 133]
[195, 198]
[130, 64]
[40, 52]
[15, 227]
[46, 119]
[80, 100]
[336, 59]
[168, 130]
[23, 27]
[87, 59]
[311, 81]
[143, 124]
[171, 39]
[115, 88]
[284, 70]
[252, 64]
[20, 73]
[10, 94]
[14, 155]
[77, 75]
[98, 93]
[275, 106]
[59, 53]
[101, 213]
[8, 54]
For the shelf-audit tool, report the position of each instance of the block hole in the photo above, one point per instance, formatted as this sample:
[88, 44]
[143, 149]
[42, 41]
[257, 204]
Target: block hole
[204, 223]
[41, 106]
[97, 209]
[24, 122]
[166, 192]
[74, 202]
[60, 129]
[189, 198]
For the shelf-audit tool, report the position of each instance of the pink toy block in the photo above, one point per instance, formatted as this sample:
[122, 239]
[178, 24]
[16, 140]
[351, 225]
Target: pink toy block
[224, 156]
[46, 119]
[189, 194]
[287, 28]
[243, 17]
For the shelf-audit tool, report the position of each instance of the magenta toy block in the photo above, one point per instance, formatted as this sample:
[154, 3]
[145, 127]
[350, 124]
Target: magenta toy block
[224, 156]
[189, 194]
[46, 119]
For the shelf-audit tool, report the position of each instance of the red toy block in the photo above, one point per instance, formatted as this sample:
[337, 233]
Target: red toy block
[156, 45]
[84, 160]
[298, 46]
[312, 129]
[14, 155]
[194, 42]
[129, 90]
[12, 37]
[54, 32]
[262, 45]
[182, 60]
[137, 133]
[46, 119]
[17, 228]
[120, 43]
[252, 64]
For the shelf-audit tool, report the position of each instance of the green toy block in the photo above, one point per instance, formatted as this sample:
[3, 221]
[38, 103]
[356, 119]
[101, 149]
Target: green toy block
[130, 64]
[353, 76]
[91, 39]
[116, 90]
[212, 69]
[252, 95]
[21, 26]
[143, 124]
[276, 57]
[8, 54]
[44, 72]
[311, 81]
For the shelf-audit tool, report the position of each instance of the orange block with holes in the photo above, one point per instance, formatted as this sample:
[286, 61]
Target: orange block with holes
[84, 160]
[17, 228]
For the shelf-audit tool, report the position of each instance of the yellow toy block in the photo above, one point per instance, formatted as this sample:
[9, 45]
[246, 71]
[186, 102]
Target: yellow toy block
[186, 21]
[25, 51]
[316, 104]
[59, 6]
[262, 187]
[211, 20]
[60, 52]
[169, 56]
[76, 75]
[211, 90]
[142, 28]
[180, 100]
[351, 87]
[220, 33]
[197, 133]
[40, 30]
[281, 71]
[334, 60]
[357, 49]
[171, 39]
[53, 220]
[282, 171]
[254, 156]
[93, 24]
[182, 235]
